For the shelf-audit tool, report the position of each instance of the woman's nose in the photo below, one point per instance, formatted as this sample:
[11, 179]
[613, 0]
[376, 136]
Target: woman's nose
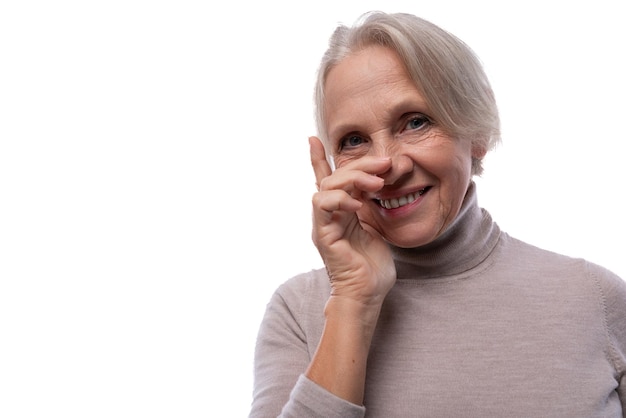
[401, 166]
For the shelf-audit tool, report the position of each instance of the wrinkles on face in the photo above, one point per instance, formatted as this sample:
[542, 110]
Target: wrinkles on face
[346, 98]
[374, 110]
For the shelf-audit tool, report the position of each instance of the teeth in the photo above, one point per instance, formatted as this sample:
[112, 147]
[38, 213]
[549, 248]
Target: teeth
[402, 201]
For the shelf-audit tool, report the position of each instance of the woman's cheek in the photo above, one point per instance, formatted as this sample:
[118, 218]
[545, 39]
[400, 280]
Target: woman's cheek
[366, 217]
[340, 161]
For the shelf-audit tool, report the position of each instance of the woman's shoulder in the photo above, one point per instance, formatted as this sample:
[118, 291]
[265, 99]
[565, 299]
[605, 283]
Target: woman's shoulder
[550, 261]
[612, 289]
[315, 280]
[539, 257]
[552, 267]
[305, 291]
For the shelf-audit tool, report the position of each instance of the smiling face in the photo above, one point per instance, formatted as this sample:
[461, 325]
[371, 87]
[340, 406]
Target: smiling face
[373, 108]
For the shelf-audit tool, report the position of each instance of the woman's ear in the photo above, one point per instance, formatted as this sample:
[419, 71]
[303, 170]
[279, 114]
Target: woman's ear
[478, 151]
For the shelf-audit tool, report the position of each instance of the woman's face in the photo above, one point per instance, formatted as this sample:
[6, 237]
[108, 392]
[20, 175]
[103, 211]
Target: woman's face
[374, 109]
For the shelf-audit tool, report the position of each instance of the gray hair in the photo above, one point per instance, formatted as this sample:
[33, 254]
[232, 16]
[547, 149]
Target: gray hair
[444, 69]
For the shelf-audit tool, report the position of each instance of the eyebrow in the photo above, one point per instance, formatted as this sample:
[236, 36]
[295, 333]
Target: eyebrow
[342, 130]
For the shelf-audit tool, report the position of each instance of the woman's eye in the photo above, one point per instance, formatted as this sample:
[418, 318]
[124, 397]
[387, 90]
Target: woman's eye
[352, 141]
[417, 122]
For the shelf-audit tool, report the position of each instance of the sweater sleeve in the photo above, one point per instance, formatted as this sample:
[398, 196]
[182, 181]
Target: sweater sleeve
[614, 295]
[282, 356]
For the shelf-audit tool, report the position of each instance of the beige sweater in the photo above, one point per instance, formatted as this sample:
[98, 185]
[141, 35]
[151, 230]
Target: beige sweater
[478, 324]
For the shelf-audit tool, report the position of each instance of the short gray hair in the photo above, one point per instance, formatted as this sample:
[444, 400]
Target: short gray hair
[444, 69]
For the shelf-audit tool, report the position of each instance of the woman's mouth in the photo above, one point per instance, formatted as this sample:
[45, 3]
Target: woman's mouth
[403, 200]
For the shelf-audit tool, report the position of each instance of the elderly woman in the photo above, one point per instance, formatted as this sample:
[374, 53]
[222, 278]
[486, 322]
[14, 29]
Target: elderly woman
[425, 307]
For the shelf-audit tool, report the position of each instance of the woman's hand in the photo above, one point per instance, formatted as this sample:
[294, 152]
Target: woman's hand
[357, 258]
[360, 267]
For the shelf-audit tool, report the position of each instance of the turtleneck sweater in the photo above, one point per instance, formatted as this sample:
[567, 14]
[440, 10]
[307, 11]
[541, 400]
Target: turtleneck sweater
[478, 324]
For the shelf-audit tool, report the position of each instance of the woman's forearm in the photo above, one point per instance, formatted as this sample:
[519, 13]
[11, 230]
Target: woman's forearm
[340, 361]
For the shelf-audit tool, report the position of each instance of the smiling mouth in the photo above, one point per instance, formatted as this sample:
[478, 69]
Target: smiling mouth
[401, 201]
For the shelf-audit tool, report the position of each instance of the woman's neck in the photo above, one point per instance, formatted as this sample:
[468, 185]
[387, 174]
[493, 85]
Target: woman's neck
[465, 243]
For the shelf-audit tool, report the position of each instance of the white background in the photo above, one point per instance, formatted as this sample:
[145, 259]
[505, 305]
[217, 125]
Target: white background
[155, 186]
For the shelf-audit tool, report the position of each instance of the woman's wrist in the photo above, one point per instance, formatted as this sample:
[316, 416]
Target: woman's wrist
[360, 316]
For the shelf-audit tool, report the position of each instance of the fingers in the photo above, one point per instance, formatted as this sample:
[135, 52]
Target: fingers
[359, 175]
[324, 204]
[318, 160]
[353, 182]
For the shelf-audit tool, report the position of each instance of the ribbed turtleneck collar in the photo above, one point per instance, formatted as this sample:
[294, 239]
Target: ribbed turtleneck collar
[469, 239]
